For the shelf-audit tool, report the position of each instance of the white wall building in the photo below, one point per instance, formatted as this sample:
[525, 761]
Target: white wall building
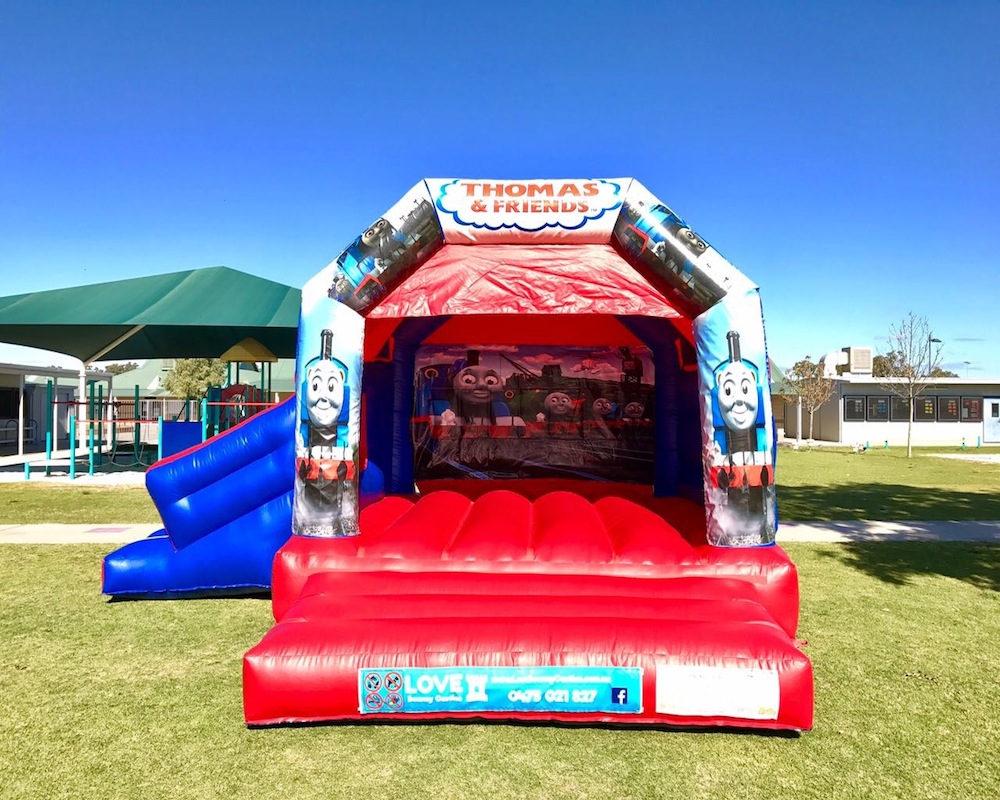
[864, 410]
[25, 412]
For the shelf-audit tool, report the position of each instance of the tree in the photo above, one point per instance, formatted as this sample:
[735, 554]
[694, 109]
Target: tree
[884, 366]
[912, 364]
[892, 363]
[121, 369]
[191, 377]
[811, 385]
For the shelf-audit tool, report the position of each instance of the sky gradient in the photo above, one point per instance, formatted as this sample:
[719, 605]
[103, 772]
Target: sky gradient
[843, 155]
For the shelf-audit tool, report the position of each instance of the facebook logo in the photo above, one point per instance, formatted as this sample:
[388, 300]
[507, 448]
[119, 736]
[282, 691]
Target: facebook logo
[619, 695]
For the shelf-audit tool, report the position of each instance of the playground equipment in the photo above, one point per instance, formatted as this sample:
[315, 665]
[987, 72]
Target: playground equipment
[588, 537]
[126, 433]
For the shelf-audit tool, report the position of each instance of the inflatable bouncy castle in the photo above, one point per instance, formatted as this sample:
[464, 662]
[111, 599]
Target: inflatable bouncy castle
[566, 389]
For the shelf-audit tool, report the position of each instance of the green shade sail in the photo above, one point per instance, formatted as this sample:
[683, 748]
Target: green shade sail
[194, 314]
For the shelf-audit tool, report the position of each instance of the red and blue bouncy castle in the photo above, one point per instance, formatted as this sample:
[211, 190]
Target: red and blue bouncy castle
[566, 389]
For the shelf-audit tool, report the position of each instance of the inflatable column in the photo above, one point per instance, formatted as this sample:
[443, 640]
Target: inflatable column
[328, 421]
[737, 425]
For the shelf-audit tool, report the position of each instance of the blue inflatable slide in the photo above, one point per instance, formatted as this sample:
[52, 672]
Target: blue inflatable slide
[226, 507]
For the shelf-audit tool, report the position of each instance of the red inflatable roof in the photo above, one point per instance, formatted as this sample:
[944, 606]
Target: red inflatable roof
[525, 279]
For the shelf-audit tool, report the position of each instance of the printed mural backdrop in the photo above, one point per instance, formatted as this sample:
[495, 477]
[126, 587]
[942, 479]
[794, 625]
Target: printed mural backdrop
[534, 411]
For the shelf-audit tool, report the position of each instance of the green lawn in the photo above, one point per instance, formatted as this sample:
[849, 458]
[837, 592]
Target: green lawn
[142, 700]
[819, 484]
[829, 484]
[32, 502]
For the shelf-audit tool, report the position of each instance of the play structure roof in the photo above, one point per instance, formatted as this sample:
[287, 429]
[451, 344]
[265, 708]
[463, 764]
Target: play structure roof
[192, 314]
[249, 350]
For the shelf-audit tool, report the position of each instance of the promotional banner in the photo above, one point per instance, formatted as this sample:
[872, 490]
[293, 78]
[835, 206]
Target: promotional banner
[387, 251]
[328, 433]
[534, 411]
[542, 211]
[737, 424]
[694, 274]
[416, 690]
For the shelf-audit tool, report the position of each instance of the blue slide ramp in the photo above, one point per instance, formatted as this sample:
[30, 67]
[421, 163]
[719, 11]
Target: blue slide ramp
[226, 507]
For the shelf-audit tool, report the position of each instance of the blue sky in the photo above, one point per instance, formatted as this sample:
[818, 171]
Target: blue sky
[845, 156]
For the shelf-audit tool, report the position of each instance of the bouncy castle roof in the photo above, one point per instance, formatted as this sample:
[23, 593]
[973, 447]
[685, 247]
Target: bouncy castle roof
[564, 246]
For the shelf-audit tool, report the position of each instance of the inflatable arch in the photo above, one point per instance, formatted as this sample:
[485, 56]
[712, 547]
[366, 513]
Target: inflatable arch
[566, 389]
[608, 265]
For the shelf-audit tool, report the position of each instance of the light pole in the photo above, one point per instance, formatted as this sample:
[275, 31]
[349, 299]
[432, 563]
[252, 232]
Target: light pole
[967, 363]
[930, 340]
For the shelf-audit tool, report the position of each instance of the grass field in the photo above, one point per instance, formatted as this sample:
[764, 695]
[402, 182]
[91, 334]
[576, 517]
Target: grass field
[27, 503]
[101, 699]
[836, 484]
[142, 700]
[819, 484]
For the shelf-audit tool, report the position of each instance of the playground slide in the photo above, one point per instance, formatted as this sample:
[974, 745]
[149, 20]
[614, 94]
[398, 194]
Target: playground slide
[226, 507]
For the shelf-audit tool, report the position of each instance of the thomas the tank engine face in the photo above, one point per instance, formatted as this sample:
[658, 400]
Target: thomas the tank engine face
[602, 407]
[324, 395]
[738, 397]
[559, 404]
[372, 238]
[691, 241]
[634, 410]
[477, 385]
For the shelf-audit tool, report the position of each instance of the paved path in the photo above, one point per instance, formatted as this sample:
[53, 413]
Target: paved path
[853, 531]
[874, 531]
[74, 534]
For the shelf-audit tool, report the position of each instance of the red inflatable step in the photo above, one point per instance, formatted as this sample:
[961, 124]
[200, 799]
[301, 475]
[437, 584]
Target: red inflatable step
[702, 652]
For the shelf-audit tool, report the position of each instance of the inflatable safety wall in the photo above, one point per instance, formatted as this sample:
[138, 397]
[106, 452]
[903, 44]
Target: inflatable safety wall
[737, 425]
[625, 227]
[328, 429]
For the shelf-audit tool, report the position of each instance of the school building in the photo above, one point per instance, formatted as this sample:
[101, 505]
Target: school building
[864, 410]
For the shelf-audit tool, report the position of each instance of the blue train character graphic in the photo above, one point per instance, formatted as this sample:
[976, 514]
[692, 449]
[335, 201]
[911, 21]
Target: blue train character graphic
[463, 392]
[364, 261]
[325, 464]
[659, 238]
[384, 253]
[744, 470]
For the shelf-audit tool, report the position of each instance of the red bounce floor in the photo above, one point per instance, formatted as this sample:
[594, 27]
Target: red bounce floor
[531, 605]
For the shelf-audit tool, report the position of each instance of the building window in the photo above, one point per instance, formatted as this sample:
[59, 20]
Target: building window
[925, 410]
[8, 403]
[899, 409]
[854, 409]
[948, 409]
[972, 409]
[878, 409]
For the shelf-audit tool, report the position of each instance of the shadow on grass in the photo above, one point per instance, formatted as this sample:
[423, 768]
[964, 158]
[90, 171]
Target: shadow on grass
[884, 502]
[974, 563]
[402, 722]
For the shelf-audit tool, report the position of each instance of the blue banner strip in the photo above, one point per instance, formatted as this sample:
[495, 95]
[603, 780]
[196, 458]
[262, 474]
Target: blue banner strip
[566, 690]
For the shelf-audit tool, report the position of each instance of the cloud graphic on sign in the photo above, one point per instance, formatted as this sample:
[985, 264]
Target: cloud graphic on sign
[593, 366]
[478, 209]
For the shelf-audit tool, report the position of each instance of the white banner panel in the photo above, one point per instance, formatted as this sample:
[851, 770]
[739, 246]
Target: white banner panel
[542, 211]
[687, 690]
